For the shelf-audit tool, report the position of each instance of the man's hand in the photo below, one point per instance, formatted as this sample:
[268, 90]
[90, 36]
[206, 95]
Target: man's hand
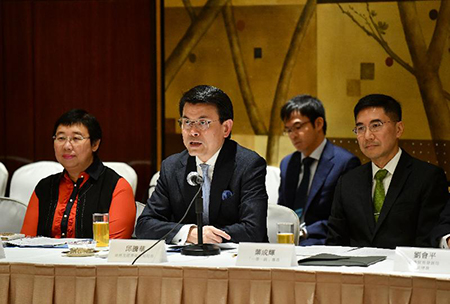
[211, 235]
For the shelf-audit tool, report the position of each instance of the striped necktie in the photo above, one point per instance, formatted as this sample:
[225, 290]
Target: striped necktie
[205, 191]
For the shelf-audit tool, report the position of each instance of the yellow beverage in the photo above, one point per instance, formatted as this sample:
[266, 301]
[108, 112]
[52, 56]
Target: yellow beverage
[101, 233]
[285, 238]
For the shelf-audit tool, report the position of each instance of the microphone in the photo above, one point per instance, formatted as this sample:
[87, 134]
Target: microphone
[199, 249]
[194, 179]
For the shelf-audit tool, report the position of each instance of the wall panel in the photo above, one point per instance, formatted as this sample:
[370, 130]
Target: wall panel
[96, 55]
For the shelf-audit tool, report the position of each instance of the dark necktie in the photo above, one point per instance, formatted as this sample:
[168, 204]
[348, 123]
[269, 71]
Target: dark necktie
[301, 197]
[205, 191]
[379, 193]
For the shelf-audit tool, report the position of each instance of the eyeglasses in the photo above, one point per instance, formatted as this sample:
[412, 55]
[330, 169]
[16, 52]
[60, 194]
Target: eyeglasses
[75, 140]
[295, 128]
[201, 124]
[374, 127]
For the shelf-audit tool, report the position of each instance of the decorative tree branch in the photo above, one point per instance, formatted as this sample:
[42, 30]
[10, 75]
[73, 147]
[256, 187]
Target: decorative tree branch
[383, 43]
[440, 35]
[244, 84]
[190, 9]
[284, 81]
[441, 26]
[252, 110]
[190, 39]
[427, 76]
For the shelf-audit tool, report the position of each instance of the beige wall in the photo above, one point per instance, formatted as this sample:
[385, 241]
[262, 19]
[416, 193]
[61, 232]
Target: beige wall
[329, 59]
[342, 46]
[269, 28]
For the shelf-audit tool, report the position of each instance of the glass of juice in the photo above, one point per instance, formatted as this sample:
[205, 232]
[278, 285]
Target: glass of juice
[101, 228]
[285, 233]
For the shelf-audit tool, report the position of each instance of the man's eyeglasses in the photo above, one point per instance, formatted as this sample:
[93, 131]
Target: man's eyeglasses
[73, 140]
[295, 128]
[201, 124]
[374, 127]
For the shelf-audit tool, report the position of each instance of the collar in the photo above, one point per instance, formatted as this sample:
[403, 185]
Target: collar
[317, 153]
[93, 171]
[211, 162]
[390, 166]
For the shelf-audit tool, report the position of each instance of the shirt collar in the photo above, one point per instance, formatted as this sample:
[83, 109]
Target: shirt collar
[318, 151]
[93, 171]
[390, 166]
[211, 162]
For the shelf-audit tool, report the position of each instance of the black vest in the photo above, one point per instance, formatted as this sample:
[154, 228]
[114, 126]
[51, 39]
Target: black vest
[94, 196]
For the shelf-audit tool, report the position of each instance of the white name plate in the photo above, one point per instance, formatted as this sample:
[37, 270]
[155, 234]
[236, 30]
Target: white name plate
[2, 251]
[266, 255]
[424, 260]
[127, 250]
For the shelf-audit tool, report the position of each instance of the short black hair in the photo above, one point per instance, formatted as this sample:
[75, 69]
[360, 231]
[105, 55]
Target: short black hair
[306, 105]
[209, 95]
[391, 107]
[82, 117]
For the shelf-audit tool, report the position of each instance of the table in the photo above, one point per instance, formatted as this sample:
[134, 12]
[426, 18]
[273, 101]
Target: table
[46, 276]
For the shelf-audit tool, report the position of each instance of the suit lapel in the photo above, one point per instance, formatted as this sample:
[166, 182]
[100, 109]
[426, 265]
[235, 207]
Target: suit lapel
[223, 172]
[399, 178]
[366, 190]
[292, 175]
[323, 168]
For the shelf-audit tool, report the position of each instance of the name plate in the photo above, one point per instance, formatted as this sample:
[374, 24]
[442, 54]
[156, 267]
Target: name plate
[2, 251]
[121, 250]
[424, 260]
[266, 255]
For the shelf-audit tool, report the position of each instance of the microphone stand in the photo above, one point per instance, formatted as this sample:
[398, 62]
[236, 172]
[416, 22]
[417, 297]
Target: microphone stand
[200, 249]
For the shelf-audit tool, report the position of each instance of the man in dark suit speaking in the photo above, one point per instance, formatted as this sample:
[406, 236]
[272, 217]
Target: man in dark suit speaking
[394, 200]
[236, 207]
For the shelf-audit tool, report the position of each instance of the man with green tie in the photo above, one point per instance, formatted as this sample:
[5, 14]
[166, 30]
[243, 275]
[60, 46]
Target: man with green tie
[395, 199]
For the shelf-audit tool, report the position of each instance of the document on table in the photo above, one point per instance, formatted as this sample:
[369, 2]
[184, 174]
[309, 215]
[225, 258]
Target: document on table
[39, 241]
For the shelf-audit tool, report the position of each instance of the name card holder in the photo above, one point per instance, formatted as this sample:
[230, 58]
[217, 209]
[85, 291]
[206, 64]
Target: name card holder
[2, 252]
[121, 250]
[266, 255]
[422, 260]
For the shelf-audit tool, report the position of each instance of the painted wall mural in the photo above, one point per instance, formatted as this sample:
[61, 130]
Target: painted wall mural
[261, 53]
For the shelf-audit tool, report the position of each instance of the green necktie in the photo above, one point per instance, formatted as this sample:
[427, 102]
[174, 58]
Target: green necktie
[378, 196]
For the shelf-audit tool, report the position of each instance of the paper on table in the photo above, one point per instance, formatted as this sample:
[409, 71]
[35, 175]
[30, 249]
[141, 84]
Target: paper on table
[39, 241]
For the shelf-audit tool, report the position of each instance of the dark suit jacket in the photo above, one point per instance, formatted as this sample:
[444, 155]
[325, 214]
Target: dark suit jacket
[443, 227]
[333, 162]
[415, 198]
[242, 213]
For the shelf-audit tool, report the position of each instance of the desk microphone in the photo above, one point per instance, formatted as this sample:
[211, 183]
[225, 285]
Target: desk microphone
[200, 249]
[194, 179]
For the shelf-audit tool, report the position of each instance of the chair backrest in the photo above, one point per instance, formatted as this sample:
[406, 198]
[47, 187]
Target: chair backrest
[139, 208]
[126, 171]
[25, 179]
[153, 182]
[3, 179]
[281, 214]
[12, 213]
[272, 183]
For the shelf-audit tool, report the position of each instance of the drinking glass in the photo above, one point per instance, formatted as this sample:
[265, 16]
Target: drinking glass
[101, 228]
[285, 233]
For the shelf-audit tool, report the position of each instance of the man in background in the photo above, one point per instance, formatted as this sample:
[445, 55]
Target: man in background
[309, 175]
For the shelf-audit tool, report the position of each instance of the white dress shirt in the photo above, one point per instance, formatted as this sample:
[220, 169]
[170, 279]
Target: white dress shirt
[390, 167]
[181, 237]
